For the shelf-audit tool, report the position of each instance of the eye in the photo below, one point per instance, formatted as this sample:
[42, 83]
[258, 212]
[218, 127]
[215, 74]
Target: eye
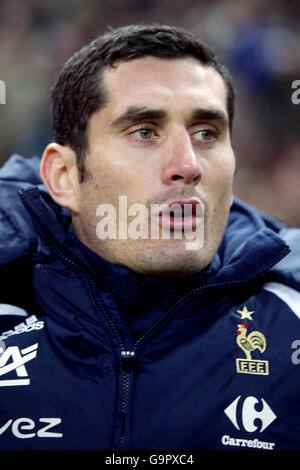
[143, 134]
[204, 135]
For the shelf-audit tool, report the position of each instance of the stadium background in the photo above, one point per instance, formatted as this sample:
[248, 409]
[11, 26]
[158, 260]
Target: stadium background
[258, 40]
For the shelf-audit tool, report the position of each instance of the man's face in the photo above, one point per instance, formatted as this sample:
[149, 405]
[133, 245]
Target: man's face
[162, 137]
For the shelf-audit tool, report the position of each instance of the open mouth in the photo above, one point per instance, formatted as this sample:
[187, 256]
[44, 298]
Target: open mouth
[182, 215]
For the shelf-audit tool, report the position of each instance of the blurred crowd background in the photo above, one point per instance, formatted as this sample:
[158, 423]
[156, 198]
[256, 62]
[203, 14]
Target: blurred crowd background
[258, 40]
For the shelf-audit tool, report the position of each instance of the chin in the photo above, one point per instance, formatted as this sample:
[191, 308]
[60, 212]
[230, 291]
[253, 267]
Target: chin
[169, 270]
[174, 261]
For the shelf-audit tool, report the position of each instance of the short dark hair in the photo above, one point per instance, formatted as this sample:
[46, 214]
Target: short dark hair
[78, 94]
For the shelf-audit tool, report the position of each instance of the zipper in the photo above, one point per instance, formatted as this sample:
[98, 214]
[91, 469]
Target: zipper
[127, 363]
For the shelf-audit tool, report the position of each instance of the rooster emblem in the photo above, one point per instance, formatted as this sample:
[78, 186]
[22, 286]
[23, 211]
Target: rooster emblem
[254, 340]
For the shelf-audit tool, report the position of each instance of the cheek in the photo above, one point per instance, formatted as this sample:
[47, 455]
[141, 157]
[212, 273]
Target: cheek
[90, 198]
[116, 175]
[221, 181]
[220, 194]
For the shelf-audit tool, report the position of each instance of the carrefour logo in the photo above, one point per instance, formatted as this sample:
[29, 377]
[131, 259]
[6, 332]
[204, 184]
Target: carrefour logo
[249, 415]
[245, 414]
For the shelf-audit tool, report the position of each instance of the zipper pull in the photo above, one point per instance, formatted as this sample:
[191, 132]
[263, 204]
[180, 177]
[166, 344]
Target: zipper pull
[127, 354]
[127, 359]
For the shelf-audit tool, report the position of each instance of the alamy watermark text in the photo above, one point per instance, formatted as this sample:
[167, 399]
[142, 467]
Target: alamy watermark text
[159, 221]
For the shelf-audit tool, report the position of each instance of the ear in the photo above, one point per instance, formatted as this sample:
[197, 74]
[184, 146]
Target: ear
[60, 175]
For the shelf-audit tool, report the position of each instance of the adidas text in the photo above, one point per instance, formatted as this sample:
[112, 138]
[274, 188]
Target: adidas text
[31, 323]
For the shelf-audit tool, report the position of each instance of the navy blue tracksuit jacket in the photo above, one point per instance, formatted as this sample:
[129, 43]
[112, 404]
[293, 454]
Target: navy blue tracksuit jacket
[96, 356]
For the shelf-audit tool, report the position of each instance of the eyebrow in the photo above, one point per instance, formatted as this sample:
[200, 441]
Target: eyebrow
[136, 114]
[210, 115]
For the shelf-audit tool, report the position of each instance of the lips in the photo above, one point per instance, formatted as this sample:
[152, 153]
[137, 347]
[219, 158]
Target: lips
[183, 214]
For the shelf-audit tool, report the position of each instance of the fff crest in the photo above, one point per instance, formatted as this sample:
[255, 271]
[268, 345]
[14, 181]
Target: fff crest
[249, 342]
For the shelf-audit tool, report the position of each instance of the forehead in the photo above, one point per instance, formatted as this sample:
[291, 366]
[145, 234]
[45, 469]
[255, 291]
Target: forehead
[173, 84]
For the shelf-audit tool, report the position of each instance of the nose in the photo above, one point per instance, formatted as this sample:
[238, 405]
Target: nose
[180, 161]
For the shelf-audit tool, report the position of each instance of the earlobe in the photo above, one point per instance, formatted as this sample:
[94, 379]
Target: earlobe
[60, 176]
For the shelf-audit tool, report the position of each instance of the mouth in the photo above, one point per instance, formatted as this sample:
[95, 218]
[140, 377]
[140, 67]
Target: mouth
[183, 214]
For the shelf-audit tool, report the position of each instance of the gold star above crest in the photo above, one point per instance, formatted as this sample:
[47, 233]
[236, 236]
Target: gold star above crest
[245, 313]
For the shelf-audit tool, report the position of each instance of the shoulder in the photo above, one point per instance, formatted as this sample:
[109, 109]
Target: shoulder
[246, 223]
[287, 271]
[292, 237]
[18, 169]
[17, 236]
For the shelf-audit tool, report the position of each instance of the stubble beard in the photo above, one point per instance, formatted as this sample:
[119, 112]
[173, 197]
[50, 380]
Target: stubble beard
[156, 257]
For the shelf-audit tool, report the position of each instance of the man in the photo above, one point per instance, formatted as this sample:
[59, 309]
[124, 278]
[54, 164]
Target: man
[144, 342]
